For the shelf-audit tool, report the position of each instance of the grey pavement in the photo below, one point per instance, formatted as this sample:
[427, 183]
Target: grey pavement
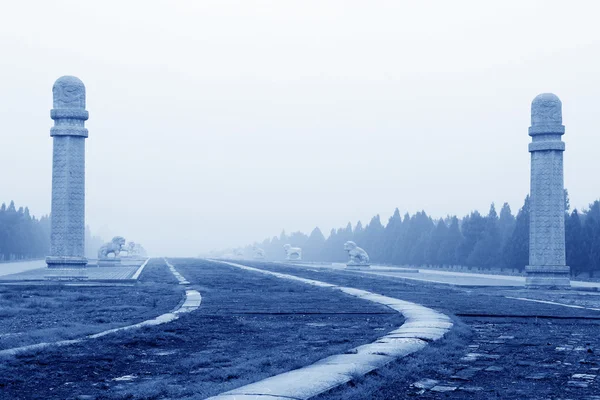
[442, 277]
[20, 266]
[30, 271]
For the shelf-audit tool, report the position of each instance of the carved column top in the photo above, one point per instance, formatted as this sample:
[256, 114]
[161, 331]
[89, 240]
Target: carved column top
[546, 123]
[69, 113]
[546, 115]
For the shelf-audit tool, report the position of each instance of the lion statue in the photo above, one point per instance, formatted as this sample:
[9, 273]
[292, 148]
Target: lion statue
[358, 257]
[259, 254]
[113, 247]
[134, 250]
[292, 253]
[238, 252]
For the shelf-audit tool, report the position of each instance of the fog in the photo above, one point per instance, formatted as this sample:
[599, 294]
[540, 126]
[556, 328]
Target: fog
[217, 123]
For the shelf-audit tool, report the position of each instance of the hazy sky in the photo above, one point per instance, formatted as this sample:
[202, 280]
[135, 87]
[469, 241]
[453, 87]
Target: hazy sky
[216, 123]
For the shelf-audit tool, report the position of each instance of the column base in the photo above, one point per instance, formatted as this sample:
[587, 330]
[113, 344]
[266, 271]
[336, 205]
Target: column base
[66, 262]
[547, 276]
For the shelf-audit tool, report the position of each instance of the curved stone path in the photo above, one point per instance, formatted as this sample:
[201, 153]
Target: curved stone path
[422, 325]
[192, 302]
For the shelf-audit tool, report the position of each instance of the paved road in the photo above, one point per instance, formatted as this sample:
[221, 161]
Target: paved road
[442, 277]
[20, 266]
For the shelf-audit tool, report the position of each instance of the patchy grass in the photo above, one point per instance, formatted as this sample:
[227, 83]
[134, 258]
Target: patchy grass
[249, 327]
[552, 341]
[50, 312]
[391, 381]
[445, 298]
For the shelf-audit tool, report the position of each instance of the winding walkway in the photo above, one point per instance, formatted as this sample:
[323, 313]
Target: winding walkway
[422, 325]
[192, 302]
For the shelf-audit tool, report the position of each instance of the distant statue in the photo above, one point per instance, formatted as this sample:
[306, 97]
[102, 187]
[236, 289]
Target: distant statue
[358, 257]
[259, 254]
[238, 252]
[134, 250]
[113, 247]
[292, 253]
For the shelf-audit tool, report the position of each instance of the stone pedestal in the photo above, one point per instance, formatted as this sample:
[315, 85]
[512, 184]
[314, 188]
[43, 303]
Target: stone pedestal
[358, 267]
[547, 262]
[110, 262]
[67, 233]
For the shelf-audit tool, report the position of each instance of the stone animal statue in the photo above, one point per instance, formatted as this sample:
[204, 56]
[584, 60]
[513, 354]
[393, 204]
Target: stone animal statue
[292, 253]
[259, 254]
[238, 252]
[134, 250]
[112, 247]
[357, 255]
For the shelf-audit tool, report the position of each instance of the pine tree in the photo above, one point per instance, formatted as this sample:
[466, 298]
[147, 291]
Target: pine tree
[314, 246]
[372, 239]
[486, 252]
[437, 238]
[517, 248]
[506, 227]
[592, 237]
[577, 258]
[447, 254]
[419, 233]
[473, 227]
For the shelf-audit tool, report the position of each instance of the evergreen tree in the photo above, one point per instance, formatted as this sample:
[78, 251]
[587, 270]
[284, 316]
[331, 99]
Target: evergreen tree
[473, 227]
[328, 248]
[592, 237]
[358, 235]
[437, 238]
[577, 257]
[506, 227]
[517, 248]
[390, 236]
[22, 236]
[314, 246]
[506, 223]
[417, 238]
[486, 252]
[447, 254]
[372, 239]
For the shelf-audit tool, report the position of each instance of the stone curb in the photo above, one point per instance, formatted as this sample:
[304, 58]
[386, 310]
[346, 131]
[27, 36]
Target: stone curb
[192, 302]
[422, 324]
[553, 303]
[139, 270]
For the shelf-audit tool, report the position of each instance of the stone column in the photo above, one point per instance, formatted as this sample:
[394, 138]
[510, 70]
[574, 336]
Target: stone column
[547, 266]
[67, 235]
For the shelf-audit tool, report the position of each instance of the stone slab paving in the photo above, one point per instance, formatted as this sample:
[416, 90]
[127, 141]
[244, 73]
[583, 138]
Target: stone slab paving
[178, 276]
[483, 371]
[304, 383]
[554, 303]
[128, 272]
[93, 274]
[192, 302]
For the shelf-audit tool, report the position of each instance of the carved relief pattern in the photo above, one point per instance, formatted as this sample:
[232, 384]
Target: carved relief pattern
[68, 197]
[547, 235]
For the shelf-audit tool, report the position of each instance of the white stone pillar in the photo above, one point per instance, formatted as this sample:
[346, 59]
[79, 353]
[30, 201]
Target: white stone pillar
[67, 236]
[547, 266]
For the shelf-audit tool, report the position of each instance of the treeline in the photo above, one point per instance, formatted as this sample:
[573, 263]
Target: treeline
[22, 236]
[494, 240]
